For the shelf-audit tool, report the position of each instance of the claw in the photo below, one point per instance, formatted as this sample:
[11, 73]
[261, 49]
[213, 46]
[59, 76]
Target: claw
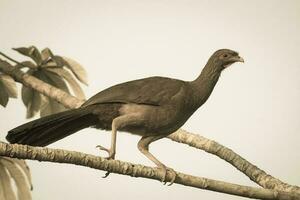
[173, 176]
[164, 175]
[102, 148]
[106, 175]
[111, 154]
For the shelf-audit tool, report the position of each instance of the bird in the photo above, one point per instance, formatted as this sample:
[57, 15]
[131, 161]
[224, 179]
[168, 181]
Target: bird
[152, 108]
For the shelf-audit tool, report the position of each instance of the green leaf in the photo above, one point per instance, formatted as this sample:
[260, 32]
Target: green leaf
[23, 187]
[26, 94]
[22, 164]
[24, 51]
[51, 64]
[31, 52]
[3, 95]
[28, 64]
[78, 92]
[35, 102]
[51, 108]
[6, 190]
[53, 79]
[77, 70]
[10, 85]
[58, 60]
[31, 98]
[34, 105]
[44, 100]
[46, 54]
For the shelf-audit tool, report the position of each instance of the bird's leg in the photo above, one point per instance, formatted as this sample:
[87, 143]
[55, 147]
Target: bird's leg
[112, 150]
[143, 146]
[117, 123]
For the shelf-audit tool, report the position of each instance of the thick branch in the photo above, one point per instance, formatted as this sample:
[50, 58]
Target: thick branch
[125, 168]
[181, 136]
[253, 172]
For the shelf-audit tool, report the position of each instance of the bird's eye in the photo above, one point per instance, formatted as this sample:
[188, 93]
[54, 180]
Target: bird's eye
[225, 55]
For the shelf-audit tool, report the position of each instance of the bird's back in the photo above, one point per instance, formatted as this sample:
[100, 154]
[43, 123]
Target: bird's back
[154, 91]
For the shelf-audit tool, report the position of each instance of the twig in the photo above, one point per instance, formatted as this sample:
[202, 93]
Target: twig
[11, 59]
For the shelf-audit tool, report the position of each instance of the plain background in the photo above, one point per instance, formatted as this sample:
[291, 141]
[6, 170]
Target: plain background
[254, 108]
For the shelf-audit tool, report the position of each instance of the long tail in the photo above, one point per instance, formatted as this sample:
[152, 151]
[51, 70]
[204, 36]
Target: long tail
[52, 128]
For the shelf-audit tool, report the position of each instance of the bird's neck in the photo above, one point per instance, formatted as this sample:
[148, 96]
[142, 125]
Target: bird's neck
[204, 84]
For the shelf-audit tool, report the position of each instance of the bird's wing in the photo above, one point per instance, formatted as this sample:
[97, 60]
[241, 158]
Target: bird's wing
[151, 91]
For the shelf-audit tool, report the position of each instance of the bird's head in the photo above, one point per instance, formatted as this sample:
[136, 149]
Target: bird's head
[223, 58]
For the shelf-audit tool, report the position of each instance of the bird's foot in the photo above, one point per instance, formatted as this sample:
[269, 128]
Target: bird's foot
[111, 153]
[164, 174]
[111, 156]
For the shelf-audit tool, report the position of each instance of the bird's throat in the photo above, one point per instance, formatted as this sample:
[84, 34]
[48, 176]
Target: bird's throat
[204, 84]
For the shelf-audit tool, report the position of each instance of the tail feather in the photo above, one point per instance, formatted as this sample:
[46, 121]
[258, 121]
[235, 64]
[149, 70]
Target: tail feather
[49, 129]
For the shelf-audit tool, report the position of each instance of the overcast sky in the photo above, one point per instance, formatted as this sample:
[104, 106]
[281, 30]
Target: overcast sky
[253, 110]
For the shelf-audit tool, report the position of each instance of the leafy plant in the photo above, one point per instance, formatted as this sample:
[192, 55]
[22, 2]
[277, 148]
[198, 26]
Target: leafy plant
[8, 88]
[15, 179]
[61, 72]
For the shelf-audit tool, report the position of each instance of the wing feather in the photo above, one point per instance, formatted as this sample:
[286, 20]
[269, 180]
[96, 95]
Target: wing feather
[154, 91]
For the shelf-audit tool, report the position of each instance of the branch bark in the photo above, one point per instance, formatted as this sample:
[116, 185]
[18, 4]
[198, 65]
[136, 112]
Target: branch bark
[253, 172]
[134, 170]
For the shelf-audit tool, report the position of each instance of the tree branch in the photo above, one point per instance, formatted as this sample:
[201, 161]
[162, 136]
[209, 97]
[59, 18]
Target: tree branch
[134, 170]
[40, 86]
[254, 173]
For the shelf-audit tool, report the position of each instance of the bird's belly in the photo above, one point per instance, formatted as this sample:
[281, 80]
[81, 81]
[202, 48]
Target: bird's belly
[157, 120]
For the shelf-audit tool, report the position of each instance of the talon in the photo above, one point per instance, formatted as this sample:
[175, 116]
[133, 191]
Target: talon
[106, 175]
[173, 176]
[163, 179]
[111, 154]
[164, 175]
[102, 148]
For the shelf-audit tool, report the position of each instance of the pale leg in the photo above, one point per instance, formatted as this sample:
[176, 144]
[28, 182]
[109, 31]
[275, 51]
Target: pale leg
[117, 123]
[143, 146]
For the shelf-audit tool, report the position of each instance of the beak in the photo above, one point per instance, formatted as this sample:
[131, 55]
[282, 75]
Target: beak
[234, 59]
[238, 59]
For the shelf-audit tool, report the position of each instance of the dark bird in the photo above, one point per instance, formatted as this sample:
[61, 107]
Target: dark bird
[151, 107]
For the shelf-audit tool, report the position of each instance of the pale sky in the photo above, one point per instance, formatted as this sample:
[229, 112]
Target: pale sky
[253, 110]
